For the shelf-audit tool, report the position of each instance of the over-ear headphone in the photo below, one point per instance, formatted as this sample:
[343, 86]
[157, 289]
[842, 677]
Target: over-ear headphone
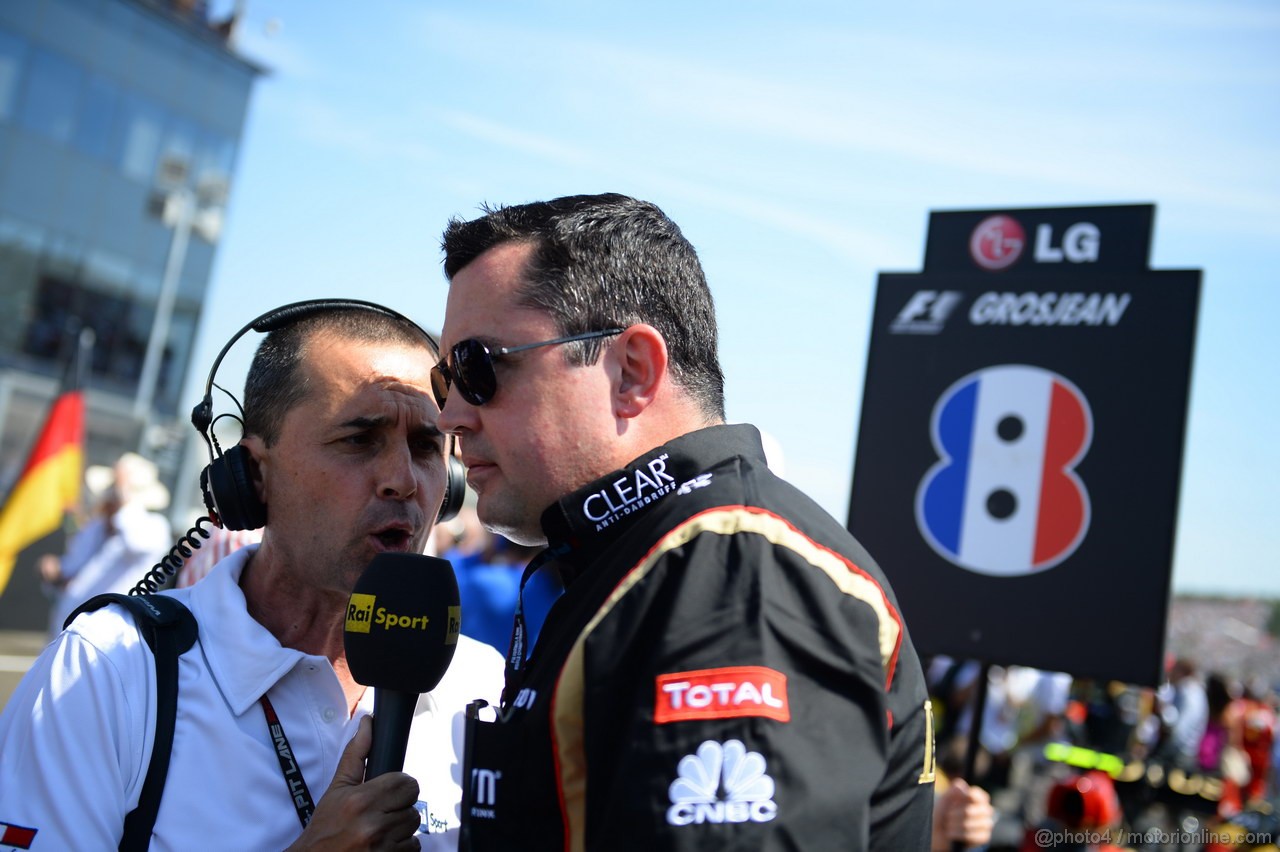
[227, 482]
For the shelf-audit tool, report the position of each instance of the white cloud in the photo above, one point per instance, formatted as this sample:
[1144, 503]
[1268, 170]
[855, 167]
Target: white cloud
[368, 137]
[854, 244]
[1070, 117]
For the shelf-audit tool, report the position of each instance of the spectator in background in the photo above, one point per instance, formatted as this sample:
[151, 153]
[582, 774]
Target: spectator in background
[1251, 727]
[1274, 788]
[462, 540]
[961, 814]
[1026, 708]
[490, 568]
[952, 684]
[220, 544]
[125, 538]
[1186, 715]
[1081, 813]
[1218, 698]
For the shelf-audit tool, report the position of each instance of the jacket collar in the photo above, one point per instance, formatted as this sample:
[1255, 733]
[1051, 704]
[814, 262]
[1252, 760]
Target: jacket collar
[586, 521]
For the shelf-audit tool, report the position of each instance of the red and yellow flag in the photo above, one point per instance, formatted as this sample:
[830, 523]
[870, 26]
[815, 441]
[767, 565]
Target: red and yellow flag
[50, 482]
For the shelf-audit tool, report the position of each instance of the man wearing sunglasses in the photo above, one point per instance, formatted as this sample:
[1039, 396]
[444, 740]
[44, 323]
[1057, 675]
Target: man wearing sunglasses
[727, 666]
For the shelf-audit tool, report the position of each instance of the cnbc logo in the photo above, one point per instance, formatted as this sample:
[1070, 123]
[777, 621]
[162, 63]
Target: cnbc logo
[360, 613]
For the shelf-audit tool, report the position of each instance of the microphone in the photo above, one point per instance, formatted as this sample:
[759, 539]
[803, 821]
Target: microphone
[401, 630]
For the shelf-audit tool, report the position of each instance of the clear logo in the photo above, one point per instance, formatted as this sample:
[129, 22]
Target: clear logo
[629, 493]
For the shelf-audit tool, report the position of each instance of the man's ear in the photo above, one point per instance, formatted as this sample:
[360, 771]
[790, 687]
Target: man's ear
[642, 359]
[257, 450]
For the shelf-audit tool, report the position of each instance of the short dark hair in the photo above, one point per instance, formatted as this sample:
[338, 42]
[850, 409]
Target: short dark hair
[602, 261]
[276, 383]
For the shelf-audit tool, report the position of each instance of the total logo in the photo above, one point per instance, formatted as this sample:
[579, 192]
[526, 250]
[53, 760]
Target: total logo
[998, 242]
[721, 783]
[723, 693]
[1004, 498]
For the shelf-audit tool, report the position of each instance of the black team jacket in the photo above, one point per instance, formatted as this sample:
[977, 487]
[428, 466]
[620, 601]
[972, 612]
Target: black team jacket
[726, 669]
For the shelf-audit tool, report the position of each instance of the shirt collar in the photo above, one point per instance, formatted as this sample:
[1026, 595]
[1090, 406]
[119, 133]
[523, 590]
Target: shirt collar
[244, 658]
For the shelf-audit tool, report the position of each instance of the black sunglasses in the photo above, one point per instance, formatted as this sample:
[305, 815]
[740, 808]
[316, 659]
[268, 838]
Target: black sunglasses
[469, 366]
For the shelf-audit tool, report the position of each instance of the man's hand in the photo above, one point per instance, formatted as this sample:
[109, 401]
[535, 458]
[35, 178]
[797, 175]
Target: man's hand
[51, 570]
[963, 814]
[353, 814]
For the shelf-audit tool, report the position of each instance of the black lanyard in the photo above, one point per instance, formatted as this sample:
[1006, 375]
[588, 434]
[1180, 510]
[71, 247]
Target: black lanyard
[518, 651]
[293, 780]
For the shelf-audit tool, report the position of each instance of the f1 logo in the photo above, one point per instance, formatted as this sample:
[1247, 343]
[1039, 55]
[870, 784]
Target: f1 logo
[1004, 498]
[926, 312]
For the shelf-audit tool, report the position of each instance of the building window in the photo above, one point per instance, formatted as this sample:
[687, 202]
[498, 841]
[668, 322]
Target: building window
[96, 133]
[215, 157]
[12, 50]
[142, 123]
[52, 95]
[21, 246]
[120, 325]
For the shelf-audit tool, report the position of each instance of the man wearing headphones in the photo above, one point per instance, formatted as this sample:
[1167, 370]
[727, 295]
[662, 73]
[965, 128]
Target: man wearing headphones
[343, 458]
[727, 667]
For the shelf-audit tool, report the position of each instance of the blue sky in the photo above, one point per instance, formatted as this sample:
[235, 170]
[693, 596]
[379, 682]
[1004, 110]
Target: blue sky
[801, 147]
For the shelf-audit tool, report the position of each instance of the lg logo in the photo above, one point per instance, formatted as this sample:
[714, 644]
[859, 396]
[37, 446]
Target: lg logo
[1080, 244]
[998, 242]
[1004, 498]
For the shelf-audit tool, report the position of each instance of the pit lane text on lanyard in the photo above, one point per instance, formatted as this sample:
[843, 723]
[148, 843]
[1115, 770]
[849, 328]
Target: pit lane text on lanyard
[293, 780]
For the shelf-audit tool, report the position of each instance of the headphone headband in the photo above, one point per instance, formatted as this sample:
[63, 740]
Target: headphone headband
[277, 318]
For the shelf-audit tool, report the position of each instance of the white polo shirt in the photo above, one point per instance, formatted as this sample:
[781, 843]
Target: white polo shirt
[76, 735]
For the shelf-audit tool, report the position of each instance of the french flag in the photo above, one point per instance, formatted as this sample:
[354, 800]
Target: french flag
[1003, 498]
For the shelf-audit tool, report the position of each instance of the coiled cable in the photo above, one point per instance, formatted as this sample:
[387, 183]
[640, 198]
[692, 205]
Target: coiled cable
[156, 579]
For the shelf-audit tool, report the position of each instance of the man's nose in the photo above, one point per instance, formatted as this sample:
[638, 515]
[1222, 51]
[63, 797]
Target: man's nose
[457, 414]
[397, 473]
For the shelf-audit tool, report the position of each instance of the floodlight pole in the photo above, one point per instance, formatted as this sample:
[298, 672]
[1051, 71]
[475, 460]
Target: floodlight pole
[179, 205]
[183, 209]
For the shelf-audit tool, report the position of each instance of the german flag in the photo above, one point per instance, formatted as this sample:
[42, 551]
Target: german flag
[49, 486]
